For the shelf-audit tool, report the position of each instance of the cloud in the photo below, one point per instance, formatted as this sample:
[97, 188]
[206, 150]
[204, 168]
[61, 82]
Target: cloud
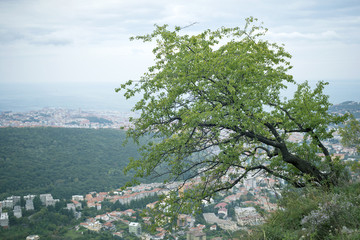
[323, 36]
[92, 36]
[54, 42]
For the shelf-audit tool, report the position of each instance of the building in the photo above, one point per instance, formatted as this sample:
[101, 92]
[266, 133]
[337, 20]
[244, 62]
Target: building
[29, 205]
[4, 220]
[195, 235]
[33, 237]
[17, 211]
[29, 197]
[43, 197]
[213, 227]
[8, 203]
[71, 206]
[223, 213]
[77, 204]
[14, 199]
[47, 199]
[77, 198]
[135, 228]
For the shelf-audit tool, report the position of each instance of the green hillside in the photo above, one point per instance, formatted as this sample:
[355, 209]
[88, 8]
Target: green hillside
[62, 161]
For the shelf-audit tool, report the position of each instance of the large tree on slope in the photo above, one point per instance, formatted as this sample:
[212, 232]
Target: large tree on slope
[212, 104]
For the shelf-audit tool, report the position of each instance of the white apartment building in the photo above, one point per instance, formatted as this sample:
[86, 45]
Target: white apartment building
[4, 219]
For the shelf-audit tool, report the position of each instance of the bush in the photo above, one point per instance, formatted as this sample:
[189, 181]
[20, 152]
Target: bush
[314, 213]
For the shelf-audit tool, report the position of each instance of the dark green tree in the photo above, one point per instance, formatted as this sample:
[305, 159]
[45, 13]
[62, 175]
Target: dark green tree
[37, 203]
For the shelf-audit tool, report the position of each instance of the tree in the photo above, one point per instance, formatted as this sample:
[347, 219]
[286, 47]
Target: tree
[37, 203]
[350, 134]
[213, 106]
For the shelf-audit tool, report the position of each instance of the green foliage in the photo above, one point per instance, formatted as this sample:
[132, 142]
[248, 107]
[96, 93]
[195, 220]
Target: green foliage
[48, 223]
[350, 134]
[314, 214]
[62, 161]
[212, 104]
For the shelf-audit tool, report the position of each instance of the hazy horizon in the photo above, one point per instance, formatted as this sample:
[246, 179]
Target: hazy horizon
[23, 97]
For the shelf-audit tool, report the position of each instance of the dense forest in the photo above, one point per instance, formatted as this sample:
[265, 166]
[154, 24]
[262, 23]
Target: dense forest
[62, 161]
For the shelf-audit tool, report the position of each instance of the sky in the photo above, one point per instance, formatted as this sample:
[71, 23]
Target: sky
[86, 42]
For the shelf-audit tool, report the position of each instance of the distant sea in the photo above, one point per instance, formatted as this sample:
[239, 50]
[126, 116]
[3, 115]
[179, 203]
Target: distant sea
[21, 97]
[98, 97]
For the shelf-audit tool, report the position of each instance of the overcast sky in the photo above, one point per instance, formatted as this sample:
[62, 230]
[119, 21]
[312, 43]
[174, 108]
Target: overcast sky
[87, 41]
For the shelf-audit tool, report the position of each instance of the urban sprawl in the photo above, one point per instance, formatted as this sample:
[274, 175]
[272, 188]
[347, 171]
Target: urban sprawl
[231, 211]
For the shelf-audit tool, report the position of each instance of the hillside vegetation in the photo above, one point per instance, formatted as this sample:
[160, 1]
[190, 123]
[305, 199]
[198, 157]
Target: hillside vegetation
[314, 213]
[62, 161]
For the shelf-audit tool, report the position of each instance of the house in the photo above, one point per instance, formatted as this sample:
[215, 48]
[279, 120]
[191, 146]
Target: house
[104, 217]
[200, 226]
[213, 227]
[88, 197]
[221, 205]
[77, 204]
[135, 228]
[77, 197]
[118, 234]
[159, 236]
[92, 225]
[33, 237]
[70, 206]
[129, 212]
[109, 226]
[151, 205]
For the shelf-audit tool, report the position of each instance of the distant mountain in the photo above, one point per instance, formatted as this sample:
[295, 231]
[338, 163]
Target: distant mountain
[348, 106]
[62, 161]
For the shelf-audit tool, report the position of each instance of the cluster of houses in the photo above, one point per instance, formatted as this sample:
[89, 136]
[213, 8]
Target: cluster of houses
[245, 215]
[106, 222]
[66, 118]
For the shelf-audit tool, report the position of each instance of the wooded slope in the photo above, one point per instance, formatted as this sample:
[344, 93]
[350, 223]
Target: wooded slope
[62, 161]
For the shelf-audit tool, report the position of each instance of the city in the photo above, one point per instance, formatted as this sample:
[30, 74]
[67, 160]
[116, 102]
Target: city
[121, 211]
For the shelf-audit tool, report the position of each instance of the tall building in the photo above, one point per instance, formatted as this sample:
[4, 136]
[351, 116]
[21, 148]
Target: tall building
[135, 228]
[47, 199]
[17, 211]
[29, 205]
[29, 197]
[4, 219]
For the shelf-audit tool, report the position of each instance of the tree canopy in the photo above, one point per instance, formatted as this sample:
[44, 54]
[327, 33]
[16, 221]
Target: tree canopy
[350, 133]
[62, 161]
[213, 104]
